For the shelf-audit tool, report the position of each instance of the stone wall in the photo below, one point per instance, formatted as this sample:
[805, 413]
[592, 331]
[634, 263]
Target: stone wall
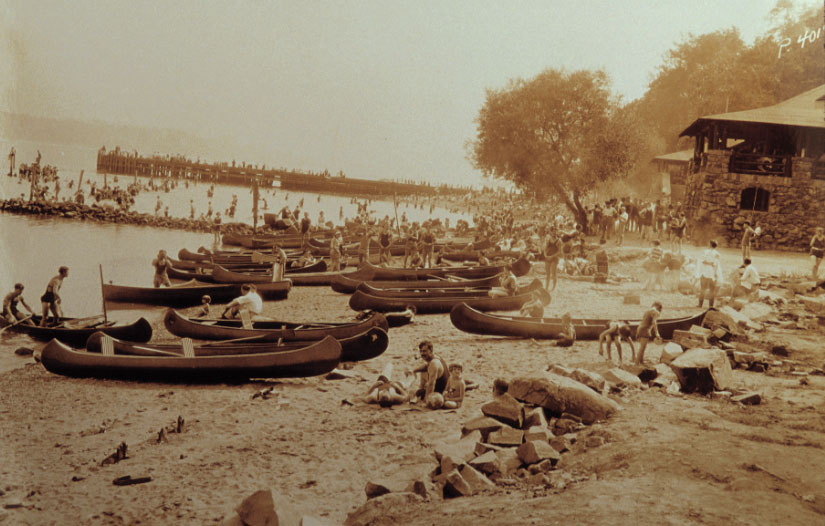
[796, 207]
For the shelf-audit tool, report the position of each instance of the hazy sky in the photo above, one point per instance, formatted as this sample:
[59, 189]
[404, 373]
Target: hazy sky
[378, 89]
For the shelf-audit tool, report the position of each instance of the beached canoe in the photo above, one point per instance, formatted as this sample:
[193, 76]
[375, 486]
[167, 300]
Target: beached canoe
[473, 255]
[75, 331]
[314, 359]
[423, 292]
[365, 345]
[376, 273]
[266, 330]
[313, 279]
[190, 293]
[429, 305]
[347, 284]
[470, 319]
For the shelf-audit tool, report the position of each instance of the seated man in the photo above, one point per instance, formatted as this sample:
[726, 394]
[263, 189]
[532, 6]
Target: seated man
[250, 300]
[386, 392]
[616, 332]
[509, 285]
[567, 336]
[434, 376]
[748, 281]
[535, 307]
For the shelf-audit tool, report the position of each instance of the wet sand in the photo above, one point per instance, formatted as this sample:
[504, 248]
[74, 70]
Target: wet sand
[684, 459]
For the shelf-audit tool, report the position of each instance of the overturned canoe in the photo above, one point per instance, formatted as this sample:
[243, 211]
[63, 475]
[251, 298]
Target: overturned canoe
[347, 283]
[469, 319]
[266, 330]
[75, 331]
[190, 293]
[315, 358]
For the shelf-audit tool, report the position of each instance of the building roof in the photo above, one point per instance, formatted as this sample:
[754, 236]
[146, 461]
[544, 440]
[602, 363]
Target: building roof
[800, 111]
[682, 156]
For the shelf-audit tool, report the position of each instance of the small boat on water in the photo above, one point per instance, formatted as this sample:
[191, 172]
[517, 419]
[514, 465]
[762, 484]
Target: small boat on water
[346, 284]
[469, 319]
[266, 330]
[75, 331]
[312, 359]
[442, 304]
[190, 293]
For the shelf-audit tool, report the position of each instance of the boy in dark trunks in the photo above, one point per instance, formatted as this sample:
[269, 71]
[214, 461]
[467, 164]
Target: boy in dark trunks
[10, 312]
[648, 329]
[567, 336]
[161, 264]
[552, 250]
[434, 374]
[50, 300]
[616, 332]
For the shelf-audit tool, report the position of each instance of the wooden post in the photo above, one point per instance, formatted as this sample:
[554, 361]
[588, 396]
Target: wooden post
[80, 179]
[105, 184]
[103, 296]
[255, 206]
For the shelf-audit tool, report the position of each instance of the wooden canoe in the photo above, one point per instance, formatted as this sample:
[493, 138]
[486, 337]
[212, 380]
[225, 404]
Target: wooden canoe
[74, 332]
[315, 358]
[423, 292]
[423, 305]
[347, 284]
[313, 279]
[472, 255]
[376, 273]
[365, 345]
[190, 293]
[266, 330]
[469, 319]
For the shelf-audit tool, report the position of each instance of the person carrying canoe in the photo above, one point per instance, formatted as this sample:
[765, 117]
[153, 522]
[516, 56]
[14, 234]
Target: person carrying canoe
[10, 312]
[250, 300]
[648, 329]
[50, 300]
[161, 264]
[434, 376]
[616, 332]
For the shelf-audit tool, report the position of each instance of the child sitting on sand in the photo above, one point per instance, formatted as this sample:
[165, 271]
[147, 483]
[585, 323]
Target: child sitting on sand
[203, 311]
[454, 392]
[567, 336]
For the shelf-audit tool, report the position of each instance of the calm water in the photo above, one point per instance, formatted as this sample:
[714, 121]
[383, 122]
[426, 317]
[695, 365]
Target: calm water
[33, 248]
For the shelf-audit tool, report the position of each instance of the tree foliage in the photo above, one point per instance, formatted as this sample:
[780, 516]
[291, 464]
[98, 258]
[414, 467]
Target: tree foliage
[556, 134]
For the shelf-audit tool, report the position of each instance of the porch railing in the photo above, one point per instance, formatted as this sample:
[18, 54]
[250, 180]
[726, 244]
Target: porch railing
[758, 164]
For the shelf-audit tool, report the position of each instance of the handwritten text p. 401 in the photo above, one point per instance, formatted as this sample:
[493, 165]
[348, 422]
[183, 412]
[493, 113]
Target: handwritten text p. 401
[809, 37]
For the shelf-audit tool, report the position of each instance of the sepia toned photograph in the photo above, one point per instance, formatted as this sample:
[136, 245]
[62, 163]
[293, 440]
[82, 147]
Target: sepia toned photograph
[377, 263]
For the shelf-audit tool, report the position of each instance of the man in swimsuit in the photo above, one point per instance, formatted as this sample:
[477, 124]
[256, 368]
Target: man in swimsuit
[50, 300]
[648, 329]
[434, 375]
[533, 308]
[817, 250]
[386, 392]
[616, 332]
[552, 249]
[335, 251]
[508, 287]
[10, 312]
[384, 242]
[161, 264]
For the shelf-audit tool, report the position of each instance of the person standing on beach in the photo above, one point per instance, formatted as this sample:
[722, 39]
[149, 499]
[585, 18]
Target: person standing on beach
[410, 243]
[305, 224]
[817, 251]
[10, 312]
[384, 242]
[335, 251]
[710, 273]
[161, 264]
[647, 330]
[748, 234]
[552, 250]
[427, 244]
[216, 230]
[50, 300]
[364, 246]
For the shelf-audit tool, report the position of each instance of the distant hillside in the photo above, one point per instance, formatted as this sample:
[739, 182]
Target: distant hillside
[14, 126]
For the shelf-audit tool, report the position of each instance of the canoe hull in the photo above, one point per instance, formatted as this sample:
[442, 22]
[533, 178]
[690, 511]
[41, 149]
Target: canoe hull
[139, 331]
[347, 283]
[315, 359]
[186, 296]
[423, 305]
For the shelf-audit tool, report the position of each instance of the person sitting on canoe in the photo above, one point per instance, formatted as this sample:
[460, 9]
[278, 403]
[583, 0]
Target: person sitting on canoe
[535, 307]
[203, 310]
[508, 287]
[161, 264]
[385, 392]
[648, 329]
[567, 336]
[10, 312]
[50, 300]
[434, 376]
[616, 332]
[306, 258]
[250, 301]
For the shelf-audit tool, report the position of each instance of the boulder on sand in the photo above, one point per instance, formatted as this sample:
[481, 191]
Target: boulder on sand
[562, 395]
[703, 370]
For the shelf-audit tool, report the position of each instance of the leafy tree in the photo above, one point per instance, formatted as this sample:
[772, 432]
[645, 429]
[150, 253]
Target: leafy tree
[557, 134]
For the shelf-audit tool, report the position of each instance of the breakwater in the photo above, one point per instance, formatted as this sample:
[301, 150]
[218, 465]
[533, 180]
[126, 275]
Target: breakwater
[179, 167]
[112, 214]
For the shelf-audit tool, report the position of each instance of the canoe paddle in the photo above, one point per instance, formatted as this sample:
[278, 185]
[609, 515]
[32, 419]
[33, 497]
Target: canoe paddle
[16, 323]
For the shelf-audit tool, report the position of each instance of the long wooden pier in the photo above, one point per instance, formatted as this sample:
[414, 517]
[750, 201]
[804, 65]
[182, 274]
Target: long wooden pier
[179, 167]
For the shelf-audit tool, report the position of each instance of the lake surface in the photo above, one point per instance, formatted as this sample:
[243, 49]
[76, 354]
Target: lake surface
[34, 247]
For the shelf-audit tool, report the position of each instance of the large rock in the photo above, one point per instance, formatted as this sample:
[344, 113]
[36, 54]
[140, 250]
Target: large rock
[622, 378]
[758, 311]
[563, 395]
[456, 486]
[534, 418]
[258, 509]
[506, 436]
[383, 510]
[482, 424]
[670, 351]
[592, 380]
[741, 320]
[505, 409]
[703, 370]
[716, 319]
[461, 450]
[536, 451]
[487, 463]
[813, 304]
[664, 375]
[477, 481]
[689, 340]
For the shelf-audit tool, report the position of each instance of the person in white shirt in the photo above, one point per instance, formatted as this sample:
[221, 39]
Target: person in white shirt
[250, 301]
[749, 280]
[709, 272]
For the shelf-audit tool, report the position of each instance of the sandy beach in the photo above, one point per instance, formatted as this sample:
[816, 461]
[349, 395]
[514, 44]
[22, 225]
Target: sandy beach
[685, 459]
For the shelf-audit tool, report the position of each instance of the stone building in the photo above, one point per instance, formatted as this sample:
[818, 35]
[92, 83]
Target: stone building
[766, 166]
[673, 169]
